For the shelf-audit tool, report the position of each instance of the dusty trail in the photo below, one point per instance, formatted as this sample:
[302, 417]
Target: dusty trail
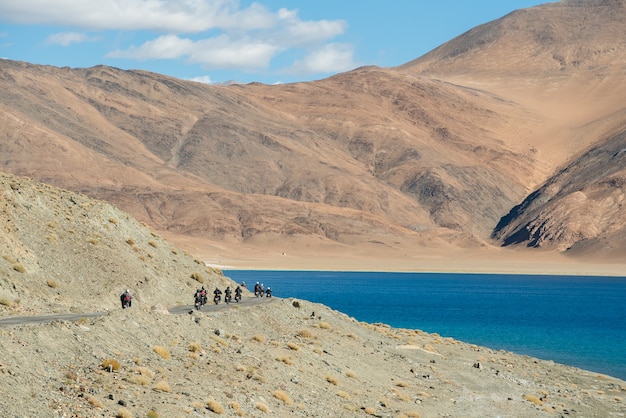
[175, 310]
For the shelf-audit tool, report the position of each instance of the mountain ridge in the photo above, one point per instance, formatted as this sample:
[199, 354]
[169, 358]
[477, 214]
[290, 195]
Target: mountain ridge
[432, 154]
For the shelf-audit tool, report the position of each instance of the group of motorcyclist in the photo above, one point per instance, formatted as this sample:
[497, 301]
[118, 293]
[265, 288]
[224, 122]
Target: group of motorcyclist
[259, 291]
[200, 297]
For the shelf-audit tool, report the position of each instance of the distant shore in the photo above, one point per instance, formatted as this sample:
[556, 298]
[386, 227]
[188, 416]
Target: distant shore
[307, 256]
[563, 267]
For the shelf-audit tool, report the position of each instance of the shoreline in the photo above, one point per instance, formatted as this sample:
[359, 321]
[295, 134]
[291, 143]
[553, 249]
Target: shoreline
[368, 258]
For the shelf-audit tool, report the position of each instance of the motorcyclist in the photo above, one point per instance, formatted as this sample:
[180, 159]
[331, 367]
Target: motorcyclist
[227, 294]
[126, 299]
[217, 295]
[200, 297]
[268, 292]
[237, 294]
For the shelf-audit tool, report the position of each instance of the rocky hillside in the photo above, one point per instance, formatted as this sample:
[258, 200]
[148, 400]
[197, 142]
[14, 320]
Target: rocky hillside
[580, 209]
[63, 251]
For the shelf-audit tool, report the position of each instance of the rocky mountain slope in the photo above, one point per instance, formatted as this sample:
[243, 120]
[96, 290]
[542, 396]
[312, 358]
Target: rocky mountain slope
[63, 251]
[430, 155]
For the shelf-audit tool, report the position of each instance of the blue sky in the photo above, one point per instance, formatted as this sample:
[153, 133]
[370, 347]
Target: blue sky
[270, 41]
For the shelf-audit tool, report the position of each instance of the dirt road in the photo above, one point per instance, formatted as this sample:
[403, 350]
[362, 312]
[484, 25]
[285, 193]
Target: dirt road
[175, 310]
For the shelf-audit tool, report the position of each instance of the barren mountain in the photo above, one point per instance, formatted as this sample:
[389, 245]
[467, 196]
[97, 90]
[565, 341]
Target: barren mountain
[63, 251]
[430, 155]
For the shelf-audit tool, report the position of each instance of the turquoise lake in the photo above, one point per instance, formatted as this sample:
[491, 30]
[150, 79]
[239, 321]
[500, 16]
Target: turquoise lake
[573, 320]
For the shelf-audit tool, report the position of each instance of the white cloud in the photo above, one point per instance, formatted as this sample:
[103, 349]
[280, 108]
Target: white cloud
[178, 16]
[205, 79]
[223, 52]
[211, 33]
[218, 52]
[67, 38]
[329, 59]
[299, 32]
[163, 47]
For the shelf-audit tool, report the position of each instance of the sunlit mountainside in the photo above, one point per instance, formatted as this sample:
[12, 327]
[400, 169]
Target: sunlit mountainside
[510, 134]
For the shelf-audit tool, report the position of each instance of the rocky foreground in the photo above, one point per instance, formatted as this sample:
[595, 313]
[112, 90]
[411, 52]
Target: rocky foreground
[273, 359]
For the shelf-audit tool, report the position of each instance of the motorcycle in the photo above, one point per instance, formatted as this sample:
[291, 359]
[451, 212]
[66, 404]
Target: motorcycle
[237, 297]
[227, 298]
[217, 298]
[258, 291]
[200, 302]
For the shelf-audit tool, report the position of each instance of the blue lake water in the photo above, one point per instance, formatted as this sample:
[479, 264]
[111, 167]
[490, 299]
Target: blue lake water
[578, 321]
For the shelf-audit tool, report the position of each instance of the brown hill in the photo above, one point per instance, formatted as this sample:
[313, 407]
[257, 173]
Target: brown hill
[63, 251]
[382, 162]
[566, 62]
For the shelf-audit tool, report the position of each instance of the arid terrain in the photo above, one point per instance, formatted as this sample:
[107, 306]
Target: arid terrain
[510, 136]
[66, 253]
[500, 151]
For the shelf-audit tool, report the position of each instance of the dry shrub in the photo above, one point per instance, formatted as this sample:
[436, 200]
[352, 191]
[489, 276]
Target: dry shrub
[258, 338]
[5, 302]
[139, 379]
[401, 395]
[9, 259]
[113, 220]
[533, 399]
[51, 283]
[219, 340]
[412, 414]
[332, 379]
[350, 374]
[318, 350]
[236, 407]
[93, 241]
[153, 244]
[262, 407]
[282, 396]
[240, 368]
[130, 241]
[402, 384]
[163, 386]
[94, 402]
[111, 364]
[325, 325]
[285, 360]
[343, 394]
[293, 346]
[195, 347]
[144, 371]
[152, 414]
[19, 268]
[354, 337]
[305, 333]
[162, 351]
[370, 411]
[197, 277]
[123, 413]
[214, 406]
